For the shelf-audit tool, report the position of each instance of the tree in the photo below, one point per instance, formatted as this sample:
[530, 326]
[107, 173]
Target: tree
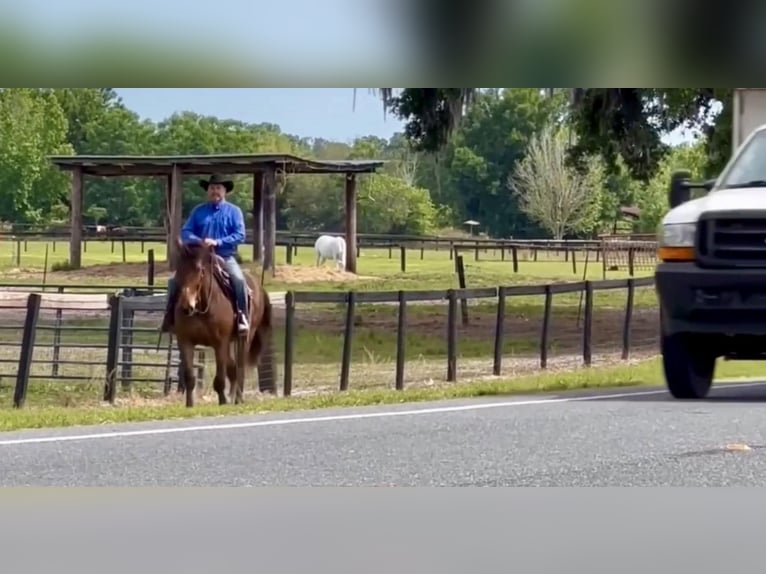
[626, 123]
[653, 199]
[553, 193]
[432, 114]
[387, 204]
[629, 123]
[32, 126]
[492, 139]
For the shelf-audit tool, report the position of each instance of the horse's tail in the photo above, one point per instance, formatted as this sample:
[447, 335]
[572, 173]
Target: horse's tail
[258, 342]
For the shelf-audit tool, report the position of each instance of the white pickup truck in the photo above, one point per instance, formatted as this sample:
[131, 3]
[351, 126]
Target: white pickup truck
[711, 279]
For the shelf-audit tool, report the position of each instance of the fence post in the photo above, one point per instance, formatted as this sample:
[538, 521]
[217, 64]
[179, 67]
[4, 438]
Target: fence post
[287, 385]
[626, 327]
[587, 331]
[113, 348]
[546, 328]
[401, 340]
[462, 285]
[27, 349]
[452, 337]
[499, 332]
[347, 338]
[150, 270]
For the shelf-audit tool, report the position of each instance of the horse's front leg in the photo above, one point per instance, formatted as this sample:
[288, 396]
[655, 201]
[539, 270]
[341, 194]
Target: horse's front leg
[186, 351]
[221, 364]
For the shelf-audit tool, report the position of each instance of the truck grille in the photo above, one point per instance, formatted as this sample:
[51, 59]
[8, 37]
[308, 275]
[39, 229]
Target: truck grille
[729, 241]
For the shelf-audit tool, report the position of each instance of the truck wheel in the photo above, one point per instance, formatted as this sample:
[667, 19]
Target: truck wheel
[689, 366]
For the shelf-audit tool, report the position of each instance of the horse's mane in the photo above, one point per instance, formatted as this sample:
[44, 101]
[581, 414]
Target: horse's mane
[190, 253]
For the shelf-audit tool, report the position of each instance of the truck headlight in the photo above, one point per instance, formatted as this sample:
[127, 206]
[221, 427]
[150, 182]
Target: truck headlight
[677, 235]
[675, 241]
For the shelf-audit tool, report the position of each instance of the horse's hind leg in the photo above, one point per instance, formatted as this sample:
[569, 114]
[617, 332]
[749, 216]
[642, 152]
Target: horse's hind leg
[221, 367]
[186, 352]
[233, 369]
[231, 374]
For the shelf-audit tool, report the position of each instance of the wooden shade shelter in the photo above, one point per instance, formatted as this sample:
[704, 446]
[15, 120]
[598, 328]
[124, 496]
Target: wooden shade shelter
[263, 167]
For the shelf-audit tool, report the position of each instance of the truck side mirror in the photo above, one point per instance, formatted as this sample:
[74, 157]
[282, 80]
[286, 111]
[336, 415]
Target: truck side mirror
[680, 191]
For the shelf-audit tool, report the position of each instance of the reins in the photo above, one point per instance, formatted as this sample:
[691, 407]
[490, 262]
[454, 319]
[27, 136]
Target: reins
[209, 283]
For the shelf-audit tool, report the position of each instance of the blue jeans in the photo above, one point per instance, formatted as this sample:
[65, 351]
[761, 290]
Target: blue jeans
[237, 279]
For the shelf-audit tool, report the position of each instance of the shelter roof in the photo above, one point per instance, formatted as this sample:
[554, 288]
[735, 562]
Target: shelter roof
[131, 165]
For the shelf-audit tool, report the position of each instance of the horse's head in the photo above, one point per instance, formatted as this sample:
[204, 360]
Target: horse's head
[193, 275]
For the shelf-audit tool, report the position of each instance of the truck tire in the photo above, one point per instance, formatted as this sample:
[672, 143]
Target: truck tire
[689, 366]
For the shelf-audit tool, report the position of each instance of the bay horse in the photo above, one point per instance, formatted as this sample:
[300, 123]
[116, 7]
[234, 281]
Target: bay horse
[204, 314]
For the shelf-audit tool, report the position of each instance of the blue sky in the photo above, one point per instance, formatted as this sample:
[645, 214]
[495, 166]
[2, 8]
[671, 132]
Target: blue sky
[312, 112]
[308, 112]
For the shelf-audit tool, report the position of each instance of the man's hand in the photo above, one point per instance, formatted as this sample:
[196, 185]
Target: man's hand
[210, 242]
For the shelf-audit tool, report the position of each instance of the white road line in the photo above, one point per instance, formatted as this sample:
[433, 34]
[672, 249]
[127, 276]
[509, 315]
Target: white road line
[338, 418]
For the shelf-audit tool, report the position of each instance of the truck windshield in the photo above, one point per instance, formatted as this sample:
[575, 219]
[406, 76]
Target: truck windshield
[749, 166]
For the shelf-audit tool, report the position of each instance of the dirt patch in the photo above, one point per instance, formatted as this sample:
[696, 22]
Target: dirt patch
[89, 274]
[304, 274]
[132, 272]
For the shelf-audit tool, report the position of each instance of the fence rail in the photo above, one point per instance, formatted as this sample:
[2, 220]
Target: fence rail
[56, 347]
[612, 253]
[127, 343]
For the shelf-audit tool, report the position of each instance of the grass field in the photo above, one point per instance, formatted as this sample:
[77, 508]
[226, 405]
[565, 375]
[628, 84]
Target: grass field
[57, 405]
[375, 270]
[319, 336]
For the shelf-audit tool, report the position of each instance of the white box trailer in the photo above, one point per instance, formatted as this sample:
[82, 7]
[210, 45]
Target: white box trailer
[749, 112]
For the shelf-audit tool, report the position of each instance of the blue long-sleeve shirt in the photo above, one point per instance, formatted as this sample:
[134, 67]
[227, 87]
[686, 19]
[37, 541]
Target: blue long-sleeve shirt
[223, 222]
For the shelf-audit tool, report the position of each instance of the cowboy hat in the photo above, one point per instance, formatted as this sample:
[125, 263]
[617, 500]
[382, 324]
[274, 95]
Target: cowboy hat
[227, 183]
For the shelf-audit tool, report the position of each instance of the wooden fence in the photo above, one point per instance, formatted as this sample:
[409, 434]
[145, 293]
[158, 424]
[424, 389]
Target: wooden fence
[123, 306]
[59, 338]
[613, 255]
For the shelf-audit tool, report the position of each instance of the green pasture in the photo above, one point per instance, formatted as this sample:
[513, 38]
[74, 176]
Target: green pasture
[59, 405]
[319, 337]
[319, 331]
[377, 268]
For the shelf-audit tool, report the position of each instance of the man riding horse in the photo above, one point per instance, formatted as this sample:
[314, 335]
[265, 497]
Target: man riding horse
[221, 225]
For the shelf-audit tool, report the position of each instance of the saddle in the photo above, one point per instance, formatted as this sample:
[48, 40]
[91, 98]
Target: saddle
[224, 281]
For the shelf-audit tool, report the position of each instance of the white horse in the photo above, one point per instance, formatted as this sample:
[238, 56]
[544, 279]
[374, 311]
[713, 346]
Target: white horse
[333, 248]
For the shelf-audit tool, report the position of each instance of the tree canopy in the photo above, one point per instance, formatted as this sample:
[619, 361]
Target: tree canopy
[626, 123]
[452, 162]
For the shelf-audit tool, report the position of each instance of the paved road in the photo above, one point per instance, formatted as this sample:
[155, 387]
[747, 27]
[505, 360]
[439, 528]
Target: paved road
[628, 438]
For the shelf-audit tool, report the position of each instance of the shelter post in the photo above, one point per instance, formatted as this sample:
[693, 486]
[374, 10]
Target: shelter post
[168, 179]
[76, 209]
[257, 216]
[269, 220]
[351, 222]
[176, 213]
